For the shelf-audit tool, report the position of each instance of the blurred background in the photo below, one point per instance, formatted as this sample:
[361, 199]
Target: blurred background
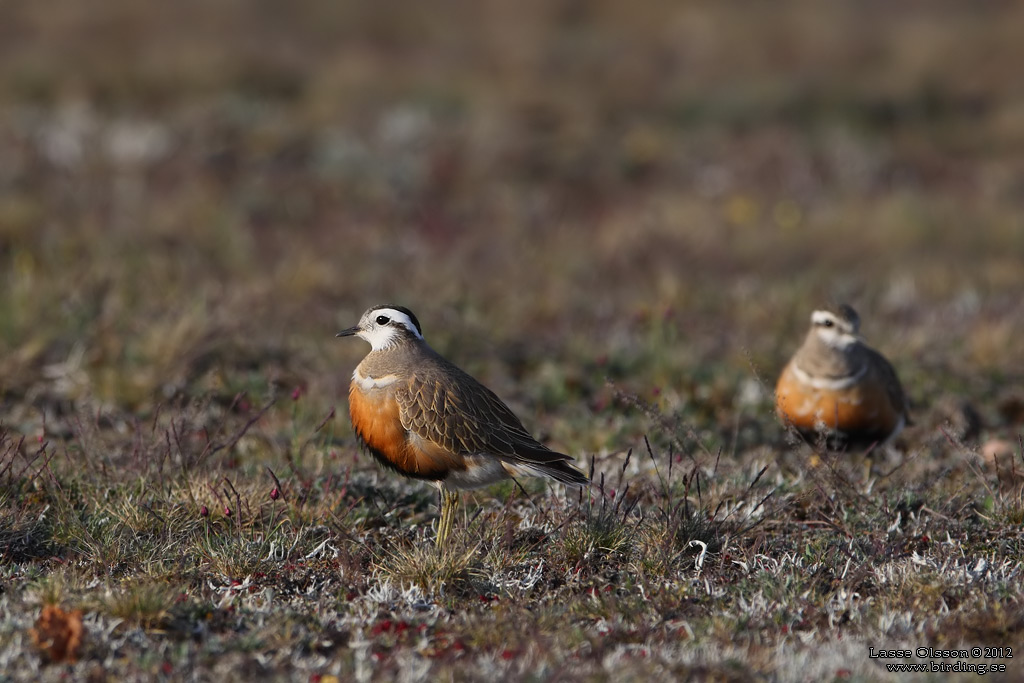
[195, 196]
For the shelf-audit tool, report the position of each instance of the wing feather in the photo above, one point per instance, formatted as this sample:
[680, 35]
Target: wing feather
[447, 407]
[892, 383]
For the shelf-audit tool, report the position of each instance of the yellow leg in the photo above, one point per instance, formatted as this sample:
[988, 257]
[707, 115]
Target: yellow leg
[449, 503]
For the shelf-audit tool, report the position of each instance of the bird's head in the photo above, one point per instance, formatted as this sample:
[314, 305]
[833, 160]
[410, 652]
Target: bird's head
[386, 326]
[836, 328]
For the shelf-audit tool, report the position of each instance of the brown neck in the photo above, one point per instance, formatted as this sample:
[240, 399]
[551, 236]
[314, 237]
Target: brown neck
[818, 359]
[398, 359]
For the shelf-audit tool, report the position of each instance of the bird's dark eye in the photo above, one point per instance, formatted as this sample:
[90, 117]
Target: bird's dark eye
[826, 323]
[383, 320]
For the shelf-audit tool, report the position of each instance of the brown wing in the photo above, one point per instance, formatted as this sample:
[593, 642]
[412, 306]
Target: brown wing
[446, 406]
[892, 383]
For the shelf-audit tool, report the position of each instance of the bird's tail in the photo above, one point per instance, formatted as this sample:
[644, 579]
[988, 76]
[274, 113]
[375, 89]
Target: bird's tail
[559, 470]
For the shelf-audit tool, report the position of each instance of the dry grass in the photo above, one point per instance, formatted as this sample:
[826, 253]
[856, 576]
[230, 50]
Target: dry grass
[619, 219]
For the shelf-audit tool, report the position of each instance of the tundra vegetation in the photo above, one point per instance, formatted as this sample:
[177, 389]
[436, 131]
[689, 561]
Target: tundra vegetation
[617, 216]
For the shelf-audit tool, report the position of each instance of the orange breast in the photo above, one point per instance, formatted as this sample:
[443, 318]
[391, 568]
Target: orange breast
[863, 410]
[376, 420]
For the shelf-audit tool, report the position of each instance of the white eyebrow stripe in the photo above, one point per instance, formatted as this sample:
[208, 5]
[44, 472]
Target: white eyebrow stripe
[821, 316]
[400, 317]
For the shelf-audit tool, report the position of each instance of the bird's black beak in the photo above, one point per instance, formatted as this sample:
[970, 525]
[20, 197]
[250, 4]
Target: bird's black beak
[350, 332]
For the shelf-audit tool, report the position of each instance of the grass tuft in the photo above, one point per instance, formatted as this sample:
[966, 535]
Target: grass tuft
[437, 571]
[146, 605]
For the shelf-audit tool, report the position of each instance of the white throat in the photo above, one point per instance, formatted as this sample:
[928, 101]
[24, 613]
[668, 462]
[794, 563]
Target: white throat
[380, 338]
[835, 339]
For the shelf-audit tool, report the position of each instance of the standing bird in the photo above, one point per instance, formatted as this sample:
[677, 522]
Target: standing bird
[838, 386]
[424, 418]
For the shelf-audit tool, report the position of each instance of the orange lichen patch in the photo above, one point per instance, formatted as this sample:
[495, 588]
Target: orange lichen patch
[378, 425]
[863, 409]
[58, 634]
